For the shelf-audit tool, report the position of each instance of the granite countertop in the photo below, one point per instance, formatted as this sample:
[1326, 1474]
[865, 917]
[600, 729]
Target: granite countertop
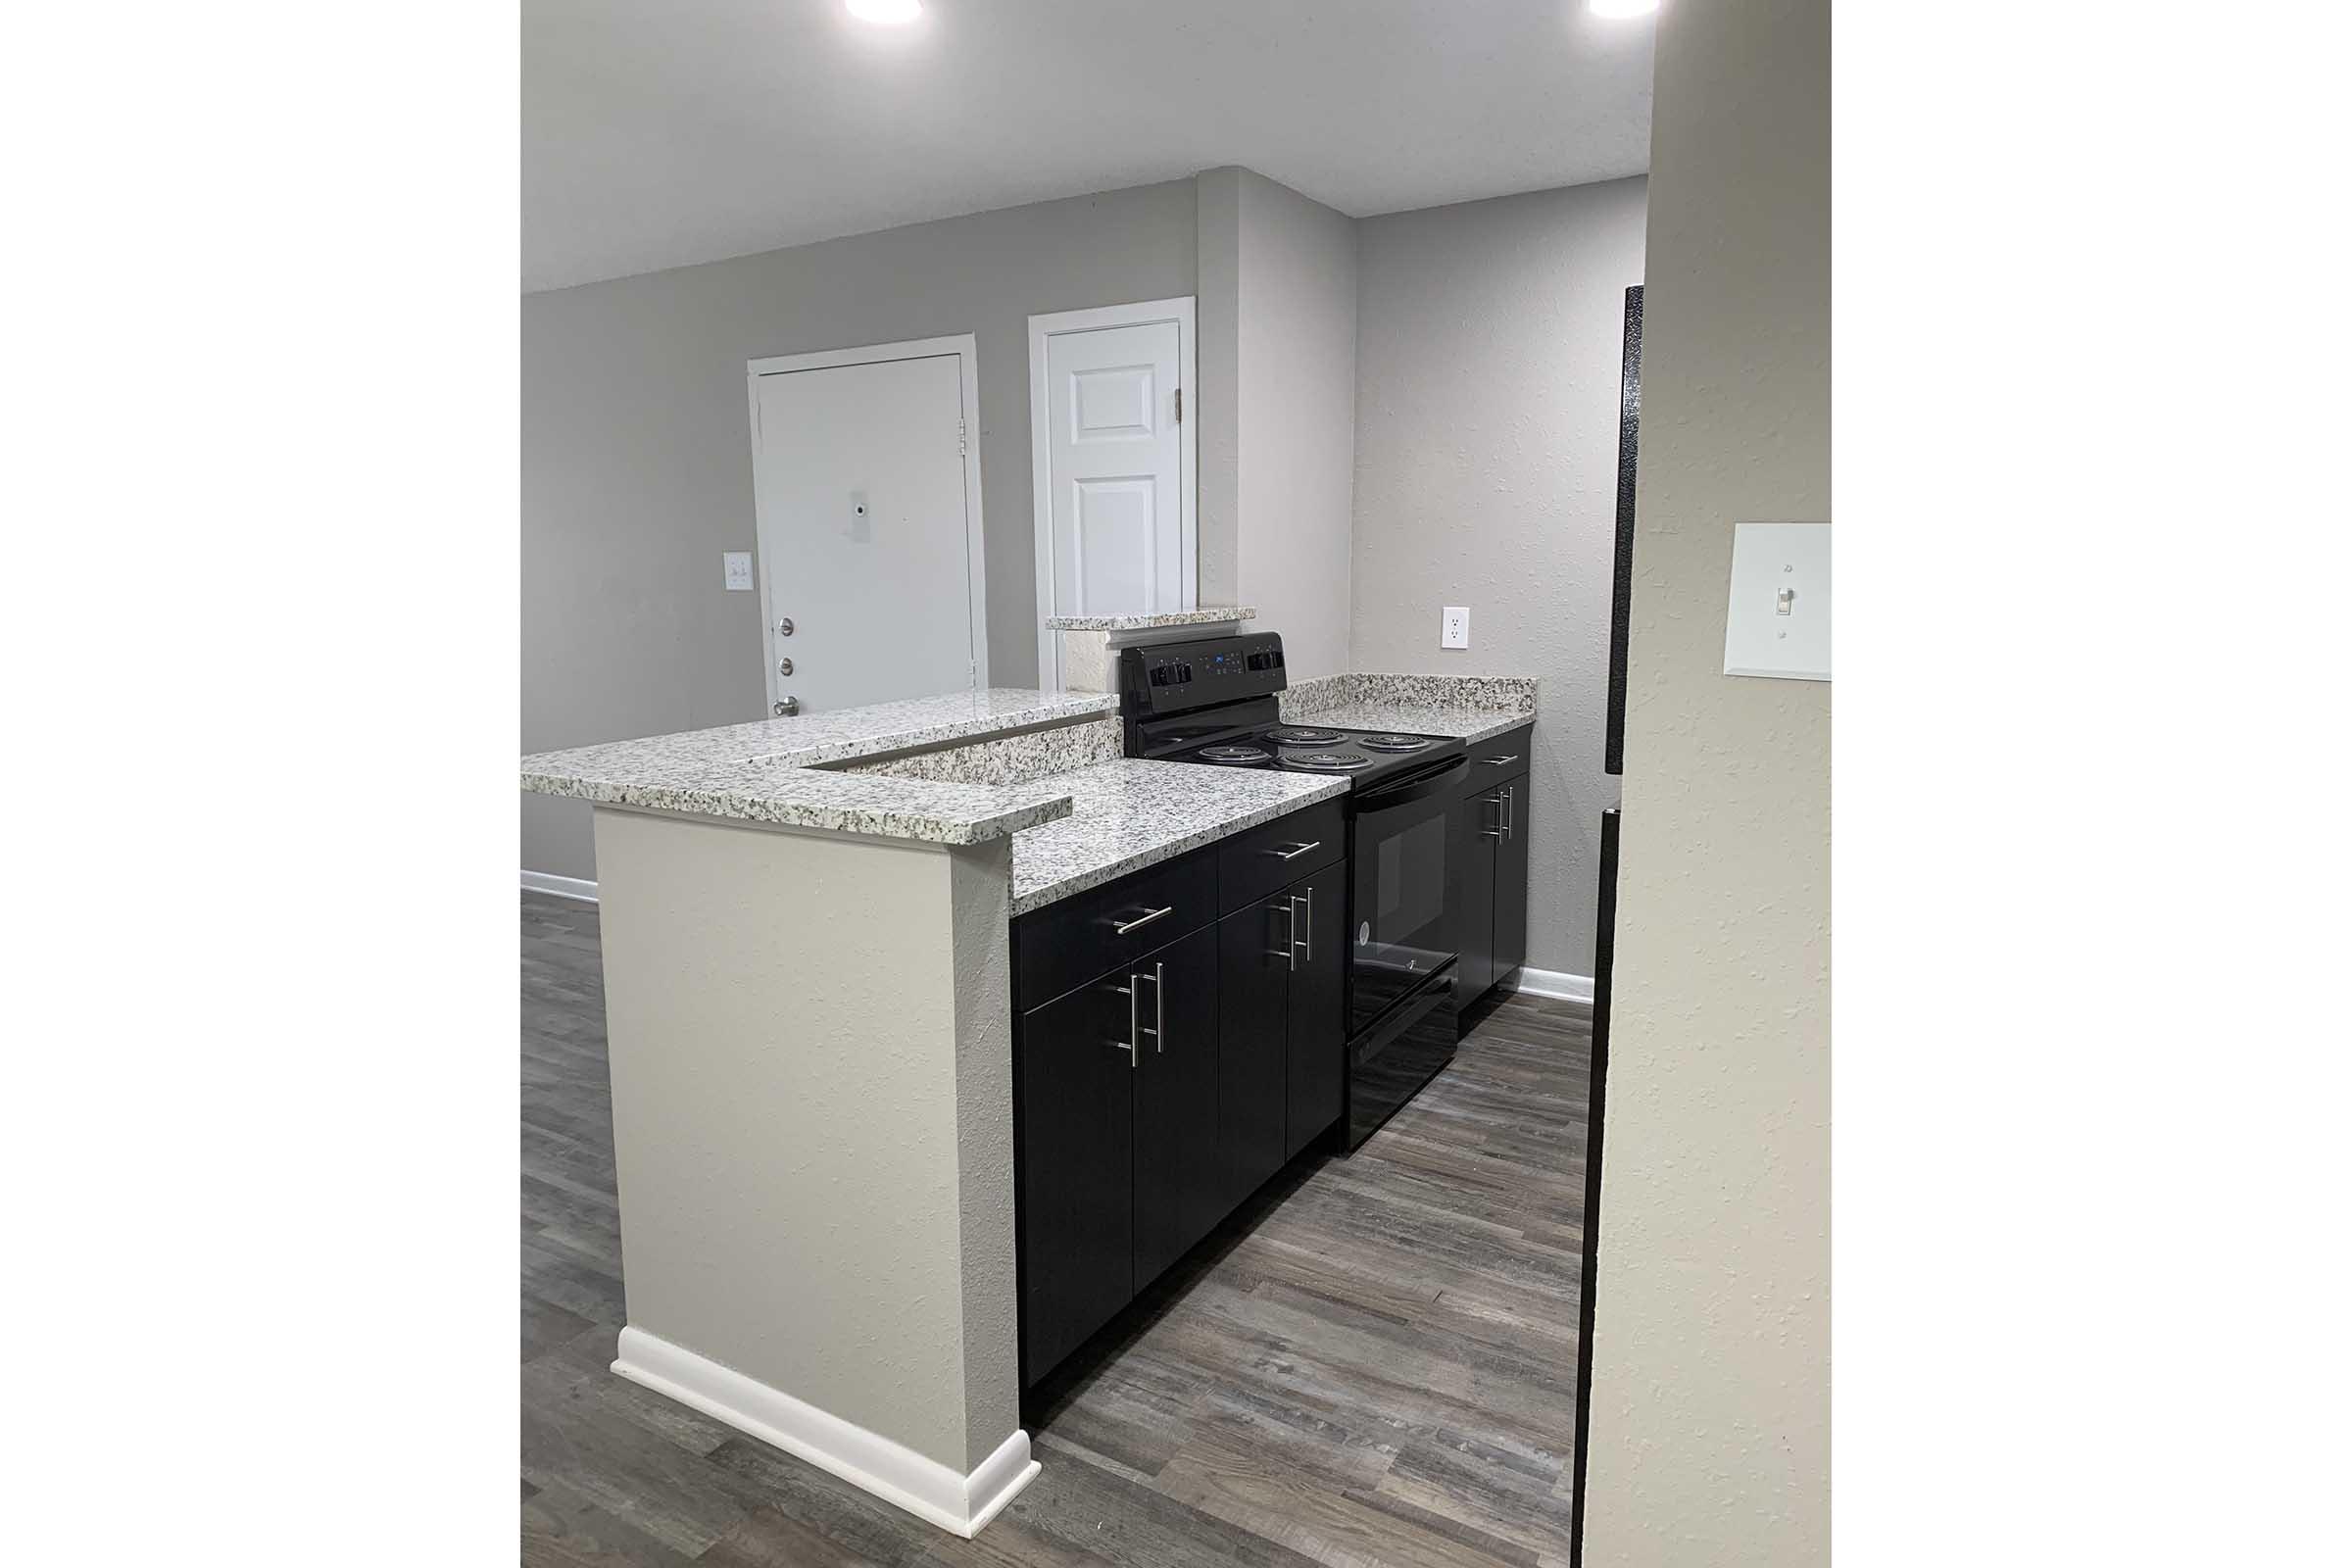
[1208, 615]
[1475, 708]
[763, 771]
[1131, 813]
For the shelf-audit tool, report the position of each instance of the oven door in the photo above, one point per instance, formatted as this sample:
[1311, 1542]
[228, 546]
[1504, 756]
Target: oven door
[1403, 934]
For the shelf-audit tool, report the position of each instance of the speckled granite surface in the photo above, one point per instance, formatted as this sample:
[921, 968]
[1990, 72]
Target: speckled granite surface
[762, 772]
[1208, 617]
[1129, 814]
[1013, 759]
[1475, 708]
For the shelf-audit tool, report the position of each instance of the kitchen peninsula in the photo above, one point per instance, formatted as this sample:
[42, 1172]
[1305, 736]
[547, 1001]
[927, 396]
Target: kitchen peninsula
[809, 992]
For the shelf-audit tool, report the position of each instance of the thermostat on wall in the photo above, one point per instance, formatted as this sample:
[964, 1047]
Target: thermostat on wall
[1778, 621]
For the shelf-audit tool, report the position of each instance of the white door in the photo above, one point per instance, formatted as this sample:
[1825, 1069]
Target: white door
[868, 528]
[1115, 504]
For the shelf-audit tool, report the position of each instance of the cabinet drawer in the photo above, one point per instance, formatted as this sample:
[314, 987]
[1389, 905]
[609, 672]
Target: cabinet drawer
[1253, 864]
[1494, 761]
[1092, 932]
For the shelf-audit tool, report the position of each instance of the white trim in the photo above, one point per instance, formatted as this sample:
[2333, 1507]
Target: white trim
[1041, 459]
[562, 887]
[890, 1470]
[965, 347]
[1557, 984]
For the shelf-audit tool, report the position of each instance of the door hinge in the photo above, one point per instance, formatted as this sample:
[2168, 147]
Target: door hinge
[1180, 405]
[961, 450]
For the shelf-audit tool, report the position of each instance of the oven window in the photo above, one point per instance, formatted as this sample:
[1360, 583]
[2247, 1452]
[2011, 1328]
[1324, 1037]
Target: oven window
[1412, 881]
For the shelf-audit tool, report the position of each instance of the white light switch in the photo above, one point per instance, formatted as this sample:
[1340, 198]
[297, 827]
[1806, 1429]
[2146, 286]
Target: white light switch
[739, 571]
[1453, 627]
[1778, 623]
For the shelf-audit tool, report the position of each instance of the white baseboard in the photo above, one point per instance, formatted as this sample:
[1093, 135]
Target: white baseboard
[1556, 983]
[888, 1469]
[562, 887]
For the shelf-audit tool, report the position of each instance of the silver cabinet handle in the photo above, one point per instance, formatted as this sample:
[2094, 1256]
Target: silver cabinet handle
[1309, 940]
[1494, 800]
[1498, 762]
[1288, 952]
[1295, 851]
[1159, 1008]
[1128, 1045]
[1510, 813]
[1141, 920]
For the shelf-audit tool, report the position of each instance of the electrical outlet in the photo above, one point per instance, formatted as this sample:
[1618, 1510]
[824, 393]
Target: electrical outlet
[739, 571]
[1453, 627]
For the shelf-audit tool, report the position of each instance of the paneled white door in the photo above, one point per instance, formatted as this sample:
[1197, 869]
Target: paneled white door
[868, 528]
[1116, 481]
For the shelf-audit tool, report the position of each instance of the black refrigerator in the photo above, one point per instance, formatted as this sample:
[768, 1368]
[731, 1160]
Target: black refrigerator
[1604, 941]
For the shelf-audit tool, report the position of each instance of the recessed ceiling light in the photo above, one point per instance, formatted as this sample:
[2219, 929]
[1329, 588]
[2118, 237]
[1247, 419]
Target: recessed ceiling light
[887, 12]
[1600, 8]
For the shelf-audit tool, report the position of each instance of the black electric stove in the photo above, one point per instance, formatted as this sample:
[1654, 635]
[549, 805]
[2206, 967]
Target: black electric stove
[1212, 702]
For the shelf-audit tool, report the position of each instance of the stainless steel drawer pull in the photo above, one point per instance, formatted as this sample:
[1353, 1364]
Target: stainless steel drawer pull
[1141, 920]
[1498, 762]
[1295, 851]
[1127, 1045]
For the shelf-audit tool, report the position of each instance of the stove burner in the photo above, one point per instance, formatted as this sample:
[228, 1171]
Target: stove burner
[1393, 742]
[1330, 762]
[1234, 756]
[1288, 736]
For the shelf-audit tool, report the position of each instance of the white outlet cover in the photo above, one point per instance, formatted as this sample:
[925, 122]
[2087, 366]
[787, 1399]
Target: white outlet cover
[1453, 627]
[1769, 559]
[739, 571]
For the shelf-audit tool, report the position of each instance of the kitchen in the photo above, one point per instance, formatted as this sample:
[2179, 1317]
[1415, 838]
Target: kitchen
[1057, 990]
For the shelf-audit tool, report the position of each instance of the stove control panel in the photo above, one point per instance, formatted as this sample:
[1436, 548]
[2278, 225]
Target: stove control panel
[1171, 677]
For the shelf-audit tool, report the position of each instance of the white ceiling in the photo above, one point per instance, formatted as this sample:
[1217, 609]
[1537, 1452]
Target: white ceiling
[662, 132]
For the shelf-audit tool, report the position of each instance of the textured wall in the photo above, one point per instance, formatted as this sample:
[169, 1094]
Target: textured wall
[637, 454]
[1295, 461]
[1710, 1422]
[816, 1180]
[1485, 472]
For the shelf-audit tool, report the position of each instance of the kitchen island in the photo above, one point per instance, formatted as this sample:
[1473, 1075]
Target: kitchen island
[810, 993]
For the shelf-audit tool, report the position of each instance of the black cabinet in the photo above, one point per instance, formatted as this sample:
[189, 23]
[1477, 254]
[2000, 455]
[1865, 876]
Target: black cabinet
[1316, 1058]
[1077, 1133]
[1179, 1192]
[1167, 1062]
[1255, 954]
[1488, 877]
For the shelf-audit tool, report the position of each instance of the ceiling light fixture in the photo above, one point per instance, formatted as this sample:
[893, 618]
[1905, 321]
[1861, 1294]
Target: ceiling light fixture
[889, 13]
[1620, 7]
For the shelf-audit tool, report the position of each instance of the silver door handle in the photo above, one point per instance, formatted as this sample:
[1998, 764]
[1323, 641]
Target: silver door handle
[788, 706]
[1141, 920]
[1295, 851]
[1309, 940]
[1494, 800]
[1159, 1008]
[1510, 813]
[1128, 1045]
[1498, 762]
[1289, 951]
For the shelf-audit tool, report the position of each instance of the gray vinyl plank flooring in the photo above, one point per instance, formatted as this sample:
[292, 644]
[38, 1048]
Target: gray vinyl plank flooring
[1373, 1364]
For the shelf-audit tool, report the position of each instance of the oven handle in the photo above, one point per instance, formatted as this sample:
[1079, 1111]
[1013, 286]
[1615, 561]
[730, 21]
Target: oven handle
[1418, 789]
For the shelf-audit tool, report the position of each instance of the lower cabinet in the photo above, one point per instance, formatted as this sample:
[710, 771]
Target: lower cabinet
[1152, 1100]
[1488, 882]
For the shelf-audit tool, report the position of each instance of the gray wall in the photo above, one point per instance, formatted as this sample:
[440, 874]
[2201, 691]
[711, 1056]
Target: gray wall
[1710, 1439]
[1294, 399]
[1486, 473]
[637, 459]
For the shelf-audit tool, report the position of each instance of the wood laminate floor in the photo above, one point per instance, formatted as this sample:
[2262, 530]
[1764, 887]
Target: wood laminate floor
[1374, 1363]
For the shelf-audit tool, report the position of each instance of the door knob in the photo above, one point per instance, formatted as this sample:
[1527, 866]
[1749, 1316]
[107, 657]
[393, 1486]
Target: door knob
[788, 706]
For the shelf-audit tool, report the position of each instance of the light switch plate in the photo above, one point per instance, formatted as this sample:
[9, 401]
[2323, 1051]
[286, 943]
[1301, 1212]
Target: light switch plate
[739, 571]
[1777, 624]
[1453, 627]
